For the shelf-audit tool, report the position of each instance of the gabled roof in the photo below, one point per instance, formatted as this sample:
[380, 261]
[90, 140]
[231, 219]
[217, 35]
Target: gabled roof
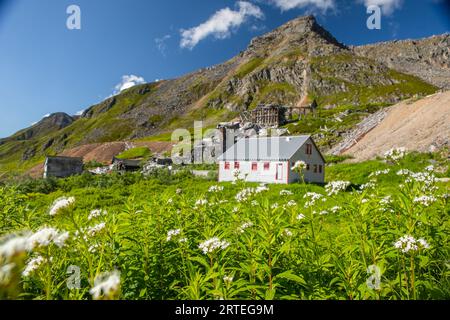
[264, 149]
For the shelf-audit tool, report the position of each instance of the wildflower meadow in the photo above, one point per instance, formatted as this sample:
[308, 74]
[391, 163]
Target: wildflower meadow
[376, 230]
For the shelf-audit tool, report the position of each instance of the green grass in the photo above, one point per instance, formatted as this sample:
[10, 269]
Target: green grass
[135, 153]
[248, 67]
[277, 256]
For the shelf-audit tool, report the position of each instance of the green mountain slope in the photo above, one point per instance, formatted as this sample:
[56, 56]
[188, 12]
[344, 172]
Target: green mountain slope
[298, 61]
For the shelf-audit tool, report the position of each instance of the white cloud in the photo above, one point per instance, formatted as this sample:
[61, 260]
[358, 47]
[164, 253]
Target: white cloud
[296, 4]
[387, 6]
[79, 113]
[127, 82]
[221, 24]
[161, 44]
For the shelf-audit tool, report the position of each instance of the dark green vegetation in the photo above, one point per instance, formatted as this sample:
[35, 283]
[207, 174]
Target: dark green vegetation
[278, 246]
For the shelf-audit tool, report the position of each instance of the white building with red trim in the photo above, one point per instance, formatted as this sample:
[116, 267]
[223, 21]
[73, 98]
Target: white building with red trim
[270, 160]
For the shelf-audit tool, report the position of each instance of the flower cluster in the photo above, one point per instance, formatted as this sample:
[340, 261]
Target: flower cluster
[60, 204]
[245, 226]
[407, 243]
[95, 230]
[312, 198]
[214, 189]
[285, 193]
[395, 154]
[6, 273]
[426, 201]
[173, 233]
[106, 285]
[245, 194]
[379, 173]
[200, 202]
[213, 244]
[335, 187]
[94, 214]
[46, 236]
[299, 166]
[32, 265]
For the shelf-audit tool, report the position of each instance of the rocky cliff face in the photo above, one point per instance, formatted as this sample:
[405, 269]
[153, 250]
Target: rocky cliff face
[428, 59]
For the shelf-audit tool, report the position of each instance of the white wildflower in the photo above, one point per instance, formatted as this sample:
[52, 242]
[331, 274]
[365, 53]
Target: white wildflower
[407, 243]
[312, 198]
[201, 202]
[173, 233]
[228, 279]
[291, 203]
[213, 244]
[368, 186]
[395, 154]
[106, 285]
[32, 265]
[335, 209]
[214, 189]
[13, 246]
[363, 201]
[254, 203]
[301, 216]
[46, 236]
[335, 187]
[324, 212]
[183, 240]
[245, 226]
[287, 233]
[6, 273]
[386, 201]
[426, 201]
[274, 206]
[379, 173]
[285, 193]
[93, 231]
[404, 172]
[430, 168]
[60, 204]
[96, 214]
[299, 166]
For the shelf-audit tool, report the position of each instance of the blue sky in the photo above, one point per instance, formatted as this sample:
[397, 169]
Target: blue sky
[45, 67]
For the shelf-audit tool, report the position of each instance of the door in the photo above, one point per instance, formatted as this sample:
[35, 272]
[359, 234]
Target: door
[280, 172]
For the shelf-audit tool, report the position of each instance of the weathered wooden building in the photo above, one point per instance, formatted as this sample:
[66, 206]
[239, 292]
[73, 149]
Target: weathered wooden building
[62, 167]
[269, 116]
[126, 165]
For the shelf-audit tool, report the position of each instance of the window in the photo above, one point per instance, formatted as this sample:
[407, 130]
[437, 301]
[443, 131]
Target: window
[227, 166]
[320, 168]
[237, 165]
[315, 168]
[309, 149]
[308, 167]
[267, 166]
[254, 166]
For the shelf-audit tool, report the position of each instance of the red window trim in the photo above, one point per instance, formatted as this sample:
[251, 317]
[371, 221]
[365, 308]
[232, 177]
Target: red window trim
[237, 165]
[227, 166]
[254, 166]
[266, 166]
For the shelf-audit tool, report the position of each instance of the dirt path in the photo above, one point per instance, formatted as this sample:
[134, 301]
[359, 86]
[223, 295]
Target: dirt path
[422, 126]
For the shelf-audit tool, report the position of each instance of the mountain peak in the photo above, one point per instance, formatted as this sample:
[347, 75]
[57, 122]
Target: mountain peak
[303, 32]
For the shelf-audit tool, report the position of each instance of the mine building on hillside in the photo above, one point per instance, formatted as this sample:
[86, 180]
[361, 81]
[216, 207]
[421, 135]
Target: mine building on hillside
[268, 116]
[62, 167]
[270, 160]
[126, 165]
